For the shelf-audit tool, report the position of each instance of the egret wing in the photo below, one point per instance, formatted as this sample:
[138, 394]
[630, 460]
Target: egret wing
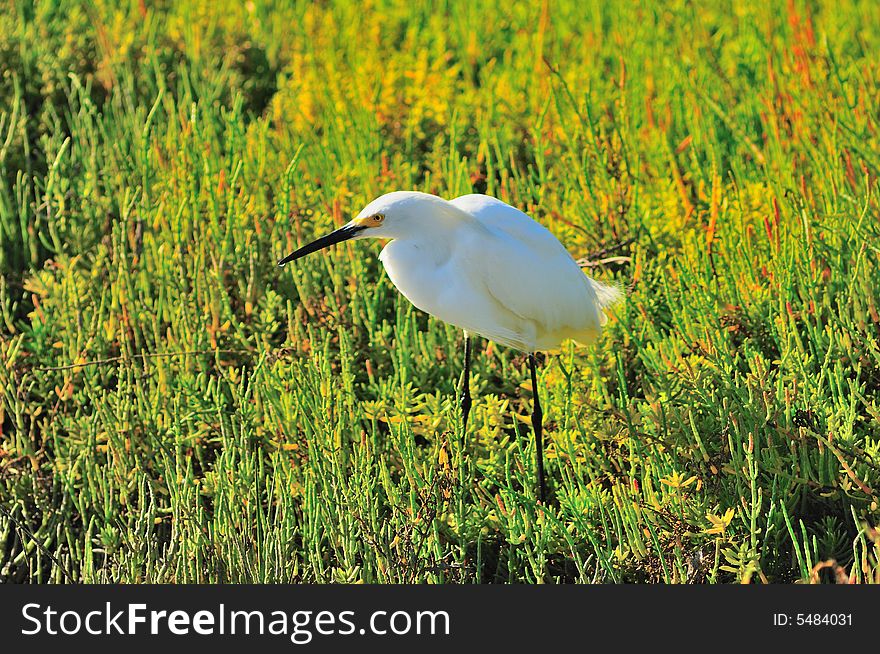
[495, 214]
[529, 272]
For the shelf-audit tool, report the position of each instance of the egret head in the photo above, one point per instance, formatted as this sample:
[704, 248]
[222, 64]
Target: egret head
[390, 216]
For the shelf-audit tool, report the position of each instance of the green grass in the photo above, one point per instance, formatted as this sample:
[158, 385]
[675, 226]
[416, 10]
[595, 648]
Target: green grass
[175, 408]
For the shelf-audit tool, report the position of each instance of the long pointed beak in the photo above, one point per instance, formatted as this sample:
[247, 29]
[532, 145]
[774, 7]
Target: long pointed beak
[338, 236]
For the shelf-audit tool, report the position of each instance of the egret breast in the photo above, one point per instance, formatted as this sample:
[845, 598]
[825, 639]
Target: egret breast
[435, 284]
[417, 272]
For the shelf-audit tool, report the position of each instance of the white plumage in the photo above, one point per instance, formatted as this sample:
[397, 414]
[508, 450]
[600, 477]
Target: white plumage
[486, 267]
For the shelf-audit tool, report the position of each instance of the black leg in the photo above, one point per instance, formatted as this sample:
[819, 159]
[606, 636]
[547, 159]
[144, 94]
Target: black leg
[465, 397]
[537, 426]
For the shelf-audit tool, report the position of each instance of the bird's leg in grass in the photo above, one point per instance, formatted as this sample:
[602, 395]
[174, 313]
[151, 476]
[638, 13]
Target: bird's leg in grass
[465, 397]
[537, 426]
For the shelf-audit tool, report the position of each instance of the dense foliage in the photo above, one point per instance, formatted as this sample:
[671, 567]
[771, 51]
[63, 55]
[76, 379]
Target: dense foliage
[176, 408]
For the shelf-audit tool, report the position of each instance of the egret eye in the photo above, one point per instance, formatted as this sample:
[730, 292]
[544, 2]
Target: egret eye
[377, 218]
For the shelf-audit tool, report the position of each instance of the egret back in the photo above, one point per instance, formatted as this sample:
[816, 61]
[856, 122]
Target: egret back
[527, 271]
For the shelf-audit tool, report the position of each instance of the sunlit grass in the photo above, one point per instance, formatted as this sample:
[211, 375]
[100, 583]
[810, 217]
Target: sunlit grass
[176, 408]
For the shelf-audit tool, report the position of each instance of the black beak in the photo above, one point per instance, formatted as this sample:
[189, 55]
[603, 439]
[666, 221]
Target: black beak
[338, 236]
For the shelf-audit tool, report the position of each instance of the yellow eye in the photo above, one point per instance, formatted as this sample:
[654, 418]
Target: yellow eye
[370, 221]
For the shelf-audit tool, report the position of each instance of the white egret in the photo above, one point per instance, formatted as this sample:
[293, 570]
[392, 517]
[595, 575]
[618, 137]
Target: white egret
[486, 267]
